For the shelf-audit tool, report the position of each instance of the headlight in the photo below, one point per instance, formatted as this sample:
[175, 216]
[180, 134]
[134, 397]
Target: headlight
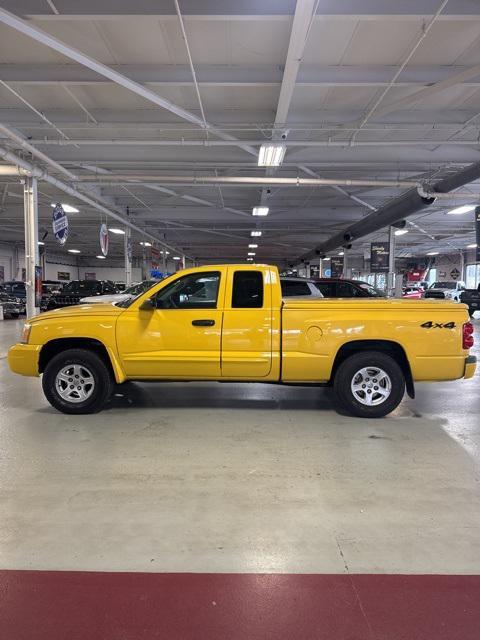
[25, 333]
[448, 294]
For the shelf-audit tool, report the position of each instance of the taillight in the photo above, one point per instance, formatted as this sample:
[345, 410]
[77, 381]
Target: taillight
[467, 342]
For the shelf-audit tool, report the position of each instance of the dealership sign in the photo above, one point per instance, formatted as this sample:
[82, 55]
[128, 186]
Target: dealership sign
[379, 257]
[336, 266]
[60, 224]
[104, 239]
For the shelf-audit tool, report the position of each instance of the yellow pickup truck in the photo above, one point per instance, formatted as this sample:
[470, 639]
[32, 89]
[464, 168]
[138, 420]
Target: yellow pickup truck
[229, 323]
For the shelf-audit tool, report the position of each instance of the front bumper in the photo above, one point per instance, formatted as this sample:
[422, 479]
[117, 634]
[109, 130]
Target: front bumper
[470, 366]
[23, 359]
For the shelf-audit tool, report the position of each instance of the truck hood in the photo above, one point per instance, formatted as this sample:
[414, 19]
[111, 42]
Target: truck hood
[79, 310]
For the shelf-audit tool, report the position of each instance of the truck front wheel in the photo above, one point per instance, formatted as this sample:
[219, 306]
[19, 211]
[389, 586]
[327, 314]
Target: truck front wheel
[369, 384]
[77, 381]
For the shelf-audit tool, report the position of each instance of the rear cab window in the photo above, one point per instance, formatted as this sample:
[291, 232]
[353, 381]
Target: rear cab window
[293, 288]
[247, 290]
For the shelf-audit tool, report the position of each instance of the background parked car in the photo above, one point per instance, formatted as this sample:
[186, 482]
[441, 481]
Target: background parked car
[130, 292]
[16, 292]
[75, 290]
[471, 297]
[299, 287]
[450, 289]
[12, 308]
[339, 288]
[412, 292]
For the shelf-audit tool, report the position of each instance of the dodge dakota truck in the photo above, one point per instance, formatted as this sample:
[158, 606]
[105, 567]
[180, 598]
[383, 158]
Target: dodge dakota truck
[229, 323]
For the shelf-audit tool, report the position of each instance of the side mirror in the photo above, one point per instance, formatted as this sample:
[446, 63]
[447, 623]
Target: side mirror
[147, 305]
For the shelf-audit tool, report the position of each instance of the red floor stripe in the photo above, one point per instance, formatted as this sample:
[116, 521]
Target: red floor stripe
[41, 605]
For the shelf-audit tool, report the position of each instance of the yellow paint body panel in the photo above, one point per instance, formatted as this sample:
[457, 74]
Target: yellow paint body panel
[296, 341]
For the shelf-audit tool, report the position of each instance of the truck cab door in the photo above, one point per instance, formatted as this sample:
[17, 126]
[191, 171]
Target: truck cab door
[247, 324]
[178, 335]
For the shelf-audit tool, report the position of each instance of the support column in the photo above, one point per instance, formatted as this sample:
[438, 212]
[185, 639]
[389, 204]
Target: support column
[391, 263]
[127, 239]
[164, 262]
[183, 262]
[345, 264]
[144, 262]
[32, 259]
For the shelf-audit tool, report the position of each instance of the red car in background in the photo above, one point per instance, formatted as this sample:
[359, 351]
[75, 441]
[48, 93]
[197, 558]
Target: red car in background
[412, 292]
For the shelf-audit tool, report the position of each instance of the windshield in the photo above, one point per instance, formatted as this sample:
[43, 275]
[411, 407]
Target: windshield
[136, 289]
[444, 285]
[145, 285]
[84, 287]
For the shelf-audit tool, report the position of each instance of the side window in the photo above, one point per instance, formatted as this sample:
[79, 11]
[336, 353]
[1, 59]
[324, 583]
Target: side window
[294, 288]
[327, 289]
[193, 291]
[345, 290]
[247, 290]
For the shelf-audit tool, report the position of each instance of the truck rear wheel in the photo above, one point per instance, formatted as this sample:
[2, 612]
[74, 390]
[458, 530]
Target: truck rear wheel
[77, 381]
[369, 384]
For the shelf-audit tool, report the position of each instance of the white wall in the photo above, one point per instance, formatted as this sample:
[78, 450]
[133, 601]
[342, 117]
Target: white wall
[117, 274]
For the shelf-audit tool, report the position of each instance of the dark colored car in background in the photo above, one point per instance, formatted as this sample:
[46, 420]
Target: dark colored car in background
[12, 307]
[73, 291]
[471, 297]
[340, 288]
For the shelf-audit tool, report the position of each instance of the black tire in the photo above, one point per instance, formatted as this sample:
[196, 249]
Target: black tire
[346, 373]
[103, 381]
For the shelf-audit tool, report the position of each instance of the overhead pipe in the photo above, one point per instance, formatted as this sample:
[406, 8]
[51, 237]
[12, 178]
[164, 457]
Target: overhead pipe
[402, 207]
[250, 180]
[36, 172]
[82, 142]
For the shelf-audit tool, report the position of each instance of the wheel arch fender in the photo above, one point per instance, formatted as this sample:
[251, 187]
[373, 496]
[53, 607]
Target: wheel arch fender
[389, 347]
[57, 345]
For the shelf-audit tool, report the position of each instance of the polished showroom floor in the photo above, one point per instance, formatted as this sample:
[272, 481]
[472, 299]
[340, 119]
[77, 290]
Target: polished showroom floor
[204, 486]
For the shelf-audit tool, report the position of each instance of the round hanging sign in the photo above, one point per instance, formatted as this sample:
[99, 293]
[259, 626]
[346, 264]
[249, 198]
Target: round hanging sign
[104, 239]
[60, 224]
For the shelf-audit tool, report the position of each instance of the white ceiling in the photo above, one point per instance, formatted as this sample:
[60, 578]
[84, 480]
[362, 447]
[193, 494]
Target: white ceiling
[239, 51]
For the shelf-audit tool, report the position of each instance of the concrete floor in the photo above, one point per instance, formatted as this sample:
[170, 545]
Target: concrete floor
[238, 478]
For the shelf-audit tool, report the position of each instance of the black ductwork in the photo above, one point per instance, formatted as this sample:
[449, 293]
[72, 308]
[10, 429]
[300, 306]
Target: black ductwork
[402, 207]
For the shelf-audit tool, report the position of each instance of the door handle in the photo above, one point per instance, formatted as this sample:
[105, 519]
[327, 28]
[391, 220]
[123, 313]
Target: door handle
[203, 323]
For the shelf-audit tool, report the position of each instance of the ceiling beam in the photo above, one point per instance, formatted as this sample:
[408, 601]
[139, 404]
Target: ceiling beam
[308, 75]
[66, 50]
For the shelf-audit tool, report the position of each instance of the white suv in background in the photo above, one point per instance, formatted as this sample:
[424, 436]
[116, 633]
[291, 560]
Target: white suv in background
[450, 290]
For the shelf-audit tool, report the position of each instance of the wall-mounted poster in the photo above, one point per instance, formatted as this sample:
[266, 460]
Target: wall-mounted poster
[63, 275]
[336, 266]
[90, 275]
[379, 257]
[2, 274]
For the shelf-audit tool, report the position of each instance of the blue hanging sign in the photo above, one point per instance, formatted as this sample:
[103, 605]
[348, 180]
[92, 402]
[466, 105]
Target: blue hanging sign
[60, 224]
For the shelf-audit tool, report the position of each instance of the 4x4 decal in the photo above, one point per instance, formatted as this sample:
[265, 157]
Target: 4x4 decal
[438, 325]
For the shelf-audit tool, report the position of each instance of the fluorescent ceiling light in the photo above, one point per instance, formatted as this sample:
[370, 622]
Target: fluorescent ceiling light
[341, 253]
[326, 258]
[255, 234]
[251, 253]
[401, 232]
[260, 211]
[271, 155]
[66, 207]
[249, 259]
[166, 253]
[472, 246]
[74, 251]
[465, 208]
[146, 244]
[40, 242]
[176, 257]
[253, 246]
[119, 232]
[101, 257]
[432, 253]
